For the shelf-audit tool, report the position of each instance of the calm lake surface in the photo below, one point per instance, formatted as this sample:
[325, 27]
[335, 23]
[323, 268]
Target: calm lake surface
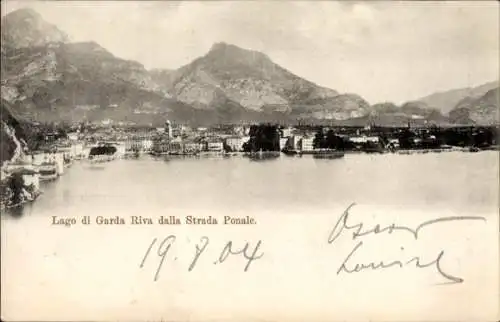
[454, 181]
[295, 201]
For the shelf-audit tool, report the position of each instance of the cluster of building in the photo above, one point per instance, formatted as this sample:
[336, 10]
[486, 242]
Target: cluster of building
[183, 139]
[32, 167]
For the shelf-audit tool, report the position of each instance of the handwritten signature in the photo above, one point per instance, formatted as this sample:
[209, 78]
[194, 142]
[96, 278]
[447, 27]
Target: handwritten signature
[228, 250]
[358, 231]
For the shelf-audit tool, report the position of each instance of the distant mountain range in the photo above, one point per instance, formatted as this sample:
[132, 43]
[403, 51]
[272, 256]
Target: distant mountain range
[478, 109]
[45, 77]
[448, 100]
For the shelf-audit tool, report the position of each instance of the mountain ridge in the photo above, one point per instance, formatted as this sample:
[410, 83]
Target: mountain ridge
[50, 77]
[447, 100]
[26, 28]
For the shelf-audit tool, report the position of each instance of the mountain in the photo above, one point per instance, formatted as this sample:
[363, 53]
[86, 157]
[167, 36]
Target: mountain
[415, 112]
[47, 78]
[44, 78]
[26, 28]
[253, 81]
[482, 110]
[446, 101]
[78, 81]
[11, 134]
[163, 77]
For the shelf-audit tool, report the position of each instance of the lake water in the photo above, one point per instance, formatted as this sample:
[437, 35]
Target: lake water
[453, 181]
[294, 200]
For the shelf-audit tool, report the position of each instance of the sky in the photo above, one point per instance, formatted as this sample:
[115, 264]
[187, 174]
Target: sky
[383, 51]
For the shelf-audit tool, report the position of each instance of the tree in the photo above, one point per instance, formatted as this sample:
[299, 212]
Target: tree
[406, 139]
[319, 139]
[263, 137]
[334, 141]
[16, 185]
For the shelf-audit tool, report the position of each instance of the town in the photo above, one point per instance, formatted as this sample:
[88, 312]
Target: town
[52, 148]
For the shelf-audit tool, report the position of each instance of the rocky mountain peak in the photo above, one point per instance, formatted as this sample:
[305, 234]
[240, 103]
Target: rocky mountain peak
[26, 28]
[24, 14]
[231, 54]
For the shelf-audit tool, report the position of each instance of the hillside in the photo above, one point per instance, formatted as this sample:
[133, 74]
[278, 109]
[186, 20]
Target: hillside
[252, 80]
[482, 110]
[446, 101]
[26, 28]
[77, 81]
[45, 77]
[11, 133]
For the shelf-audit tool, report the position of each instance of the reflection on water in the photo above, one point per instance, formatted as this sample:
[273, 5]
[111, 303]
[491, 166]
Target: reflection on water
[452, 181]
[262, 157]
[18, 211]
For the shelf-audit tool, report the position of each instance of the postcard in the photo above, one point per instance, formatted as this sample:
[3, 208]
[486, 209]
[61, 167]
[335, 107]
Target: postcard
[249, 161]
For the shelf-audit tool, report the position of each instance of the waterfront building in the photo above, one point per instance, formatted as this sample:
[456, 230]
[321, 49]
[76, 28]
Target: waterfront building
[147, 144]
[306, 144]
[77, 149]
[364, 139]
[293, 142]
[286, 132]
[141, 140]
[215, 146]
[38, 158]
[175, 145]
[31, 178]
[235, 143]
[160, 146]
[283, 142]
[192, 147]
[133, 145]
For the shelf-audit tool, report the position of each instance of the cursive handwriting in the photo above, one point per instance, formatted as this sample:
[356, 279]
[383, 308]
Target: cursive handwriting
[166, 244]
[358, 228]
[358, 231]
[397, 263]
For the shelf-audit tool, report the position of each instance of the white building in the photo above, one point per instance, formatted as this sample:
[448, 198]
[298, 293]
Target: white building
[192, 147]
[73, 136]
[364, 139]
[147, 144]
[39, 158]
[283, 142]
[139, 144]
[286, 132]
[306, 144]
[77, 149]
[236, 142]
[293, 142]
[31, 177]
[215, 146]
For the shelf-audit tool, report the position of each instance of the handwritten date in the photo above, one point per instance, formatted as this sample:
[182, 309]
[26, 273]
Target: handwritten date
[246, 251]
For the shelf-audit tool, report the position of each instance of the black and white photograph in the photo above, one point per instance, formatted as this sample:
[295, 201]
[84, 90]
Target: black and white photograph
[250, 160]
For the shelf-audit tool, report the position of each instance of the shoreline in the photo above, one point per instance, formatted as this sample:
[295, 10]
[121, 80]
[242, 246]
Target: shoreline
[28, 195]
[303, 153]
